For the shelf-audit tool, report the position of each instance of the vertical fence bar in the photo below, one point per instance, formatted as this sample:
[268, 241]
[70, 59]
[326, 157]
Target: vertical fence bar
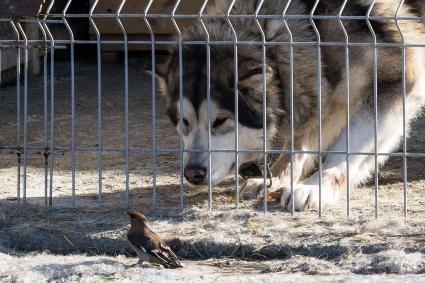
[181, 145]
[375, 100]
[120, 24]
[319, 102]
[153, 69]
[52, 100]
[264, 60]
[45, 115]
[24, 36]
[236, 93]
[208, 101]
[18, 109]
[99, 103]
[404, 107]
[73, 102]
[347, 92]
[291, 97]
[52, 118]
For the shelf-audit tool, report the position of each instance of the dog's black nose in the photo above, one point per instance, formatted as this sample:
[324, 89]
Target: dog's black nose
[195, 174]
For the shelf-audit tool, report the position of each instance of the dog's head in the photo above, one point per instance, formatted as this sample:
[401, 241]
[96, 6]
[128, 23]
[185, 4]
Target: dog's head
[188, 103]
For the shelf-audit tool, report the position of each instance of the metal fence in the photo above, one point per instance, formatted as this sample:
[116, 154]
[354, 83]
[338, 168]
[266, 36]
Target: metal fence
[45, 19]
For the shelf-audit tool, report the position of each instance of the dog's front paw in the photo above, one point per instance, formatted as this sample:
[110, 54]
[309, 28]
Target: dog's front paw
[252, 188]
[304, 197]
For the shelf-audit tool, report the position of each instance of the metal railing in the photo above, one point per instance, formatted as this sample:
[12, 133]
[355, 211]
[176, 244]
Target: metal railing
[49, 150]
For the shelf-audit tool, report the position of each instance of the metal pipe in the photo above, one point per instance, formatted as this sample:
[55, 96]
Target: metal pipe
[347, 93]
[291, 100]
[124, 32]
[403, 54]
[18, 109]
[73, 101]
[99, 103]
[264, 62]
[319, 103]
[181, 144]
[24, 36]
[236, 94]
[208, 100]
[153, 82]
[375, 100]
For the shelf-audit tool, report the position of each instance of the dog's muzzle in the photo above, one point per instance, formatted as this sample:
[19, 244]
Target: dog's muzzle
[195, 174]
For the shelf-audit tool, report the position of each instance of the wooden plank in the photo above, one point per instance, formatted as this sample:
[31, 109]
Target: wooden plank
[21, 8]
[132, 47]
[7, 65]
[33, 32]
[136, 25]
[139, 6]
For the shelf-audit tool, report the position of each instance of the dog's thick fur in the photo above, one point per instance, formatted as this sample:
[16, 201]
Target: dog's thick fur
[305, 88]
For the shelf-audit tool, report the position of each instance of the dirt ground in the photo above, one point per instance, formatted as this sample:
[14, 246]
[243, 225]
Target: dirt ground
[332, 245]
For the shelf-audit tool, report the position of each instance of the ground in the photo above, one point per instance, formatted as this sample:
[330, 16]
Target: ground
[45, 267]
[86, 243]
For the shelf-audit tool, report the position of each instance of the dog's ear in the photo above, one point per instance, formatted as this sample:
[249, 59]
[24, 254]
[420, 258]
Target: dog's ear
[162, 81]
[161, 73]
[163, 65]
[252, 75]
[251, 92]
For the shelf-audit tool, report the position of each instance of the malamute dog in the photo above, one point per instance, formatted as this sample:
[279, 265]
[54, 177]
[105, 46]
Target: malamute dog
[251, 69]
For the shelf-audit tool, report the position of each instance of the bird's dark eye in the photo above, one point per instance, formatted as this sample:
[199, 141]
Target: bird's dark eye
[186, 122]
[218, 122]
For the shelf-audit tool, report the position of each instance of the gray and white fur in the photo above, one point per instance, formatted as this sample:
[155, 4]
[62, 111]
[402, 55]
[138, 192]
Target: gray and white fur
[305, 89]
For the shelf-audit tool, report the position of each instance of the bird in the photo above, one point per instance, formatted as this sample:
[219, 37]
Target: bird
[148, 245]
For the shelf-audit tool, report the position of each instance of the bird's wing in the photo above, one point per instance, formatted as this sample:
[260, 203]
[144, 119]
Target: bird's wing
[153, 249]
[153, 246]
[142, 242]
[165, 260]
[166, 249]
[170, 255]
[160, 250]
[150, 243]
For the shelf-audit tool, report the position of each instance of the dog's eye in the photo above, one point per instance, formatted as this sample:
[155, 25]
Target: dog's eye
[218, 122]
[186, 122]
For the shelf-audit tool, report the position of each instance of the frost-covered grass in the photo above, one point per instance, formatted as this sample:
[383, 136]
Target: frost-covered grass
[222, 240]
[43, 267]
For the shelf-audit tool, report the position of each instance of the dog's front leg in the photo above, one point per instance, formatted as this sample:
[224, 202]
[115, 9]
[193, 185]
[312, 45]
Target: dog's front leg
[306, 195]
[281, 176]
[362, 139]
